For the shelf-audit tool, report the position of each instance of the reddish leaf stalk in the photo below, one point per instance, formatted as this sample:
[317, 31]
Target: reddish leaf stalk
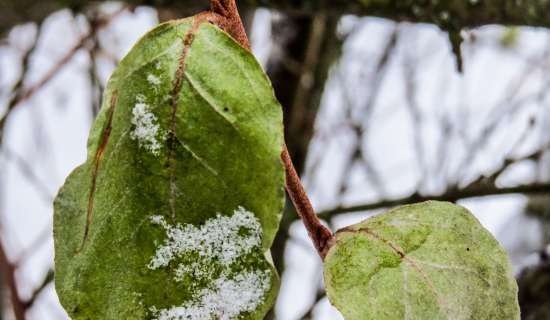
[319, 234]
[232, 20]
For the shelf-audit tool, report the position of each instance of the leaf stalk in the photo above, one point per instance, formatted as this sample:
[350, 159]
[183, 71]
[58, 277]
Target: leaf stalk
[320, 235]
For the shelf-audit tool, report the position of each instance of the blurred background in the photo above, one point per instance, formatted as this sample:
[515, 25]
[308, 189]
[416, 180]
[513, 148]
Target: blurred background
[376, 115]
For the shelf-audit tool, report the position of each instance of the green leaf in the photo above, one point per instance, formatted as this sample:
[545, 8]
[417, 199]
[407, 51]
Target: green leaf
[173, 214]
[431, 260]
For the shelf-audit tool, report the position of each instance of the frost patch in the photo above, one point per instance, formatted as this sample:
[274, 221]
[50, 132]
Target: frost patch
[152, 79]
[227, 298]
[221, 238]
[194, 270]
[219, 241]
[146, 129]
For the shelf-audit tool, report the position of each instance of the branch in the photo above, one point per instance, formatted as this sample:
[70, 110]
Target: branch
[25, 94]
[48, 278]
[28, 172]
[483, 186]
[361, 127]
[450, 14]
[444, 13]
[8, 270]
[319, 295]
[451, 195]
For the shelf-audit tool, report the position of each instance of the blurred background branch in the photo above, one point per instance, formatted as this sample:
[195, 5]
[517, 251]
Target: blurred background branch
[448, 14]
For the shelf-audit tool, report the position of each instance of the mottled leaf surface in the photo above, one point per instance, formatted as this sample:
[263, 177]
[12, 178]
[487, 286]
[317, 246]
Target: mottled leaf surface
[431, 260]
[174, 211]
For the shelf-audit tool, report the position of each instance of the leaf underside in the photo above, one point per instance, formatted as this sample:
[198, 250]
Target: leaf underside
[431, 260]
[174, 211]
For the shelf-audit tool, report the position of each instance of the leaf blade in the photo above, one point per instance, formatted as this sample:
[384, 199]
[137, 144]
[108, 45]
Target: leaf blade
[170, 154]
[426, 261]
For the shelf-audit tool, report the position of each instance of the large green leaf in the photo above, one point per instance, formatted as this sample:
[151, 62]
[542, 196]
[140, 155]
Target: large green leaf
[431, 260]
[173, 213]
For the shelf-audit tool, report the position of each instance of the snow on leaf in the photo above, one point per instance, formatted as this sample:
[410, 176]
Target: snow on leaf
[147, 130]
[195, 270]
[218, 243]
[152, 79]
[226, 299]
[221, 238]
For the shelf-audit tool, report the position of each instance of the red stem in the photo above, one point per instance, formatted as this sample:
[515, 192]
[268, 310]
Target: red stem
[319, 234]
[233, 23]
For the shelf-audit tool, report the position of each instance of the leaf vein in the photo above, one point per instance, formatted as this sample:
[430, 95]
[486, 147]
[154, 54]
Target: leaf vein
[410, 261]
[198, 158]
[208, 99]
[104, 140]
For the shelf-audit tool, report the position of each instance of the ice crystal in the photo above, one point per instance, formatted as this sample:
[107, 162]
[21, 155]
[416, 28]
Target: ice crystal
[146, 129]
[219, 241]
[225, 299]
[221, 238]
[152, 79]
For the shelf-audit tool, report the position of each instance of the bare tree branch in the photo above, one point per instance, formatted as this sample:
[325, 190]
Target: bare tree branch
[503, 109]
[24, 94]
[451, 195]
[361, 127]
[319, 295]
[410, 71]
[483, 186]
[7, 269]
[48, 278]
[27, 171]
